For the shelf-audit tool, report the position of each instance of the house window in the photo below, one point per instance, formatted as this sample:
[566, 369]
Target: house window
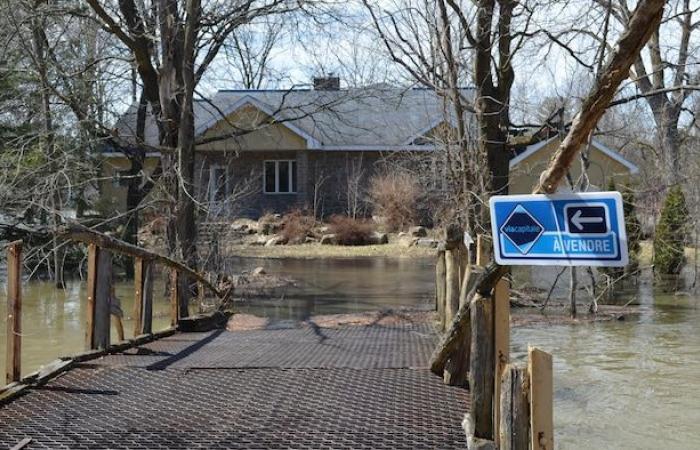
[218, 182]
[280, 177]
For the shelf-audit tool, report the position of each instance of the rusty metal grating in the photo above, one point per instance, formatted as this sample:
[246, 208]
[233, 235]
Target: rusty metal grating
[339, 388]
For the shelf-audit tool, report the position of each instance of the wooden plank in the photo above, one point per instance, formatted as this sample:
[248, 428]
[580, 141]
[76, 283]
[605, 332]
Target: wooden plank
[514, 428]
[13, 364]
[483, 250]
[103, 294]
[452, 285]
[440, 288]
[147, 302]
[174, 297]
[541, 399]
[138, 295]
[481, 367]
[501, 340]
[91, 285]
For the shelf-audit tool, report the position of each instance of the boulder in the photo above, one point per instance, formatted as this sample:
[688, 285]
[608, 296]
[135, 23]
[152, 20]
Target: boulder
[418, 231]
[426, 242]
[407, 241]
[310, 240]
[259, 271]
[379, 238]
[328, 239]
[275, 240]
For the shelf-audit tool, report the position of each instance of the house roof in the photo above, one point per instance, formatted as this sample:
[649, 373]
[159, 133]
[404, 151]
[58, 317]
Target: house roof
[358, 119]
[530, 150]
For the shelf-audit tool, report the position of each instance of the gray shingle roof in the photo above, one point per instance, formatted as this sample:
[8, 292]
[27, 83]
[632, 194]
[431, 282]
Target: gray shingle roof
[344, 118]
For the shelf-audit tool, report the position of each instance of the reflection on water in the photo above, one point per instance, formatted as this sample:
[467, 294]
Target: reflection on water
[632, 384]
[333, 286]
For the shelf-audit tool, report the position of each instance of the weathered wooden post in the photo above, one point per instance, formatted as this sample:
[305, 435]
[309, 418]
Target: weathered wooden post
[174, 296]
[13, 364]
[501, 329]
[456, 259]
[541, 399]
[514, 427]
[99, 284]
[482, 358]
[440, 287]
[143, 296]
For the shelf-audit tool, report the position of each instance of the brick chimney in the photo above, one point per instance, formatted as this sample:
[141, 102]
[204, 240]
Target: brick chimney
[329, 83]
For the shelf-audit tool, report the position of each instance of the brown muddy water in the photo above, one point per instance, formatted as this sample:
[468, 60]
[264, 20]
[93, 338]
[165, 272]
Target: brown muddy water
[633, 384]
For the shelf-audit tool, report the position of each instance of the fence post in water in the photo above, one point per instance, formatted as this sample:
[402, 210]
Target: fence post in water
[143, 296]
[13, 365]
[440, 287]
[99, 285]
[541, 399]
[514, 427]
[174, 296]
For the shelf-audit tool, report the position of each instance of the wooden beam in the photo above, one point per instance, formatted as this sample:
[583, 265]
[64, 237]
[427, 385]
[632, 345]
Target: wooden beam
[541, 399]
[501, 340]
[481, 367]
[103, 293]
[174, 296]
[440, 274]
[13, 364]
[143, 283]
[514, 428]
[91, 288]
[138, 295]
[483, 252]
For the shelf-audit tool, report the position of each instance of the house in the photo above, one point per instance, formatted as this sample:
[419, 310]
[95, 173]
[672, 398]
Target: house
[274, 150]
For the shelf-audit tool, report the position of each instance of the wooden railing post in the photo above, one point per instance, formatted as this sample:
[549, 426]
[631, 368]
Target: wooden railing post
[501, 330]
[440, 279]
[99, 286]
[174, 296]
[541, 399]
[13, 365]
[143, 297]
[514, 427]
[456, 261]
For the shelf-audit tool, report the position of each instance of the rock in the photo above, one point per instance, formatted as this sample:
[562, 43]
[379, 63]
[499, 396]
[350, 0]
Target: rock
[402, 234]
[407, 241]
[259, 271]
[239, 227]
[310, 240]
[418, 231]
[379, 238]
[324, 229]
[275, 240]
[426, 242]
[328, 239]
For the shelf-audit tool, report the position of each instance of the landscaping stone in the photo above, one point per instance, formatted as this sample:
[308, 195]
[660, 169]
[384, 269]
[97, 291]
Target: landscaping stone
[418, 231]
[407, 241]
[426, 242]
[380, 238]
[328, 239]
[275, 240]
[259, 271]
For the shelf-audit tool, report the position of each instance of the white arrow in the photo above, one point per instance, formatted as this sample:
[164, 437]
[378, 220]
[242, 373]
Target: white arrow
[579, 221]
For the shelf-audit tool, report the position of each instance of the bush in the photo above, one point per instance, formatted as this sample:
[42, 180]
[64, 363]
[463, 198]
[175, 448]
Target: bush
[394, 197]
[670, 236]
[633, 229]
[349, 231]
[297, 226]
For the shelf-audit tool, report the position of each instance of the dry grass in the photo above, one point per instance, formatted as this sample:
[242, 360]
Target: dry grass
[391, 250]
[394, 197]
[349, 231]
[297, 226]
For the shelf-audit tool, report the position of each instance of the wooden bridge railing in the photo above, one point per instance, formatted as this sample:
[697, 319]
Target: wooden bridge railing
[511, 406]
[100, 287]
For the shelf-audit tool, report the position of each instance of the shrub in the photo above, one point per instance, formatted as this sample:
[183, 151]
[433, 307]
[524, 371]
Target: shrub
[349, 231]
[670, 236]
[297, 226]
[394, 197]
[632, 227]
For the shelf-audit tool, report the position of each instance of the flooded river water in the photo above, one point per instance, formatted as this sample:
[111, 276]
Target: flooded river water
[633, 384]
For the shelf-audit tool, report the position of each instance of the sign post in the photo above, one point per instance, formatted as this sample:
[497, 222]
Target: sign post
[585, 229]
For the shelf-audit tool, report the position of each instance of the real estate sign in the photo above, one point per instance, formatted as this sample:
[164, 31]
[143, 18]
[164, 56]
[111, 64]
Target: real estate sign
[585, 229]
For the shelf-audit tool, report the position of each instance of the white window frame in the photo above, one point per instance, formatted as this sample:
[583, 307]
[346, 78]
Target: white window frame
[227, 181]
[291, 163]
